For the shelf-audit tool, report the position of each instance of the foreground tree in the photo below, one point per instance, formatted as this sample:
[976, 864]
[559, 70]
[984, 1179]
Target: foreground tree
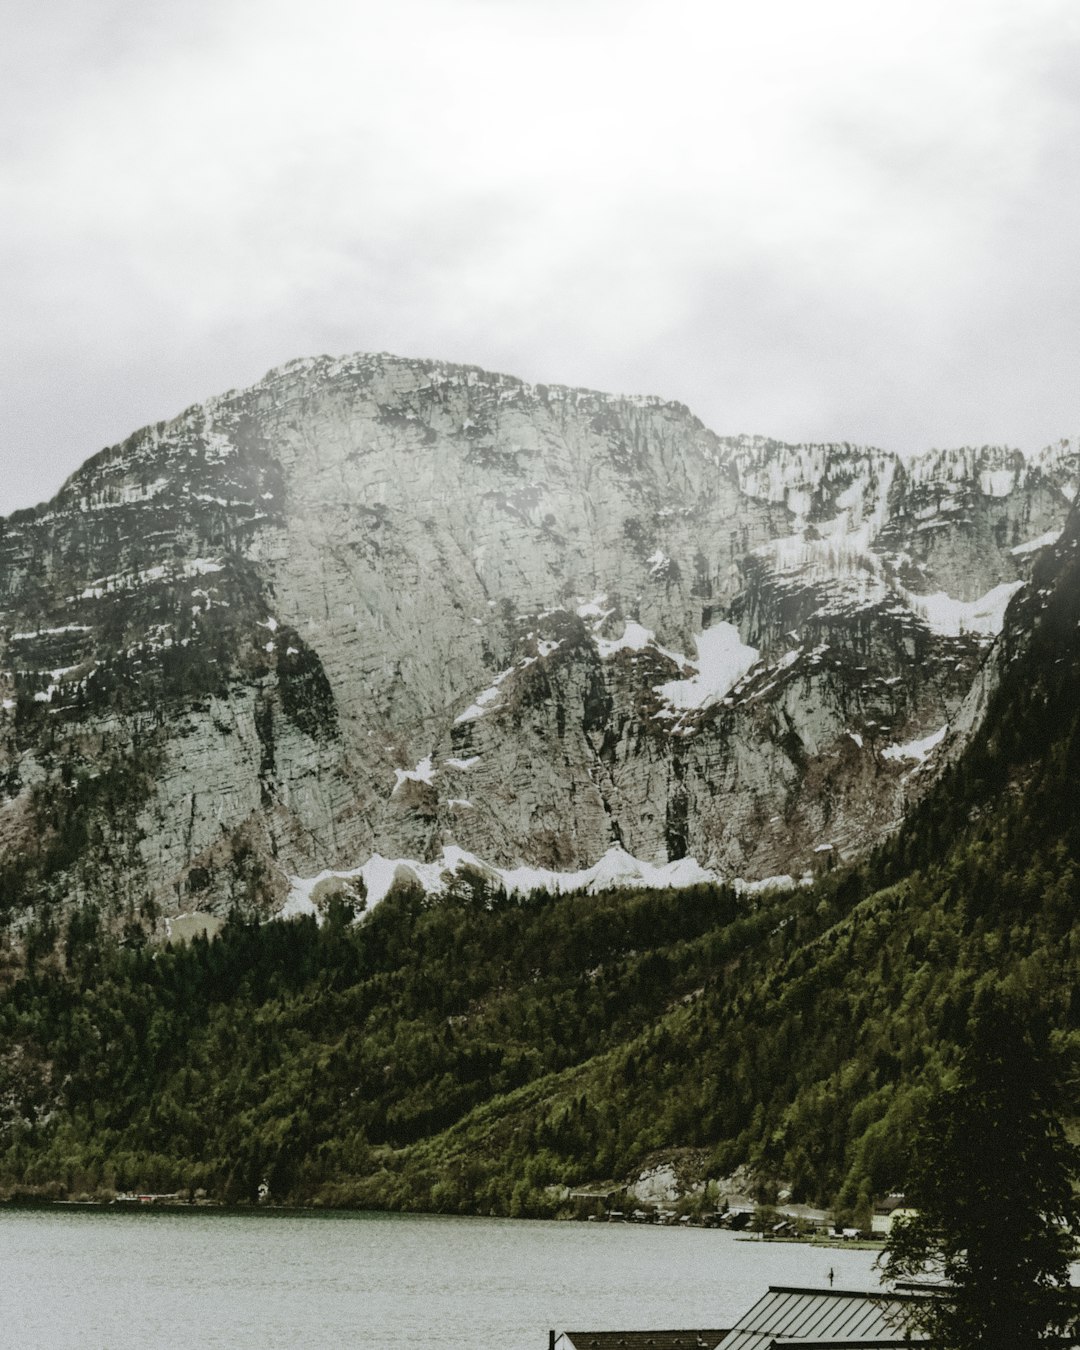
[997, 1216]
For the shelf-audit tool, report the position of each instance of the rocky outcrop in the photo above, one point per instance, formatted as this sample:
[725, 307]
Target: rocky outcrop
[376, 606]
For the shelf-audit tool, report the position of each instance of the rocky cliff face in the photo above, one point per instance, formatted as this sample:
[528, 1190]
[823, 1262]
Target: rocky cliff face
[376, 607]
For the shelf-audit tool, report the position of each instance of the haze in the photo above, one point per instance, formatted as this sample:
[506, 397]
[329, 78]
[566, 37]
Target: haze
[842, 221]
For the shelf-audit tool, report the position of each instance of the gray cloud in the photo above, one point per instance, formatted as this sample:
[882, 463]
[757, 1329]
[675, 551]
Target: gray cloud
[815, 222]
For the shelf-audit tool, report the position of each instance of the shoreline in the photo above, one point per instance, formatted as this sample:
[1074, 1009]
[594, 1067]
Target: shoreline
[208, 1206]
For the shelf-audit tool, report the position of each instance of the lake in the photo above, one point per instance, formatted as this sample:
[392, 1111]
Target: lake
[108, 1280]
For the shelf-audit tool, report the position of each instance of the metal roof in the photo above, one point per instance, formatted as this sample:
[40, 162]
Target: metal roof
[836, 1317]
[640, 1340]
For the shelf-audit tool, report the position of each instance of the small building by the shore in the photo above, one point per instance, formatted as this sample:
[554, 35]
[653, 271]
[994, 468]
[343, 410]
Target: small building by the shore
[887, 1211]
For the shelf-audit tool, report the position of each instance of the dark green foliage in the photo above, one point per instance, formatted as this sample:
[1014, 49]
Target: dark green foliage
[67, 819]
[308, 1047]
[992, 1181]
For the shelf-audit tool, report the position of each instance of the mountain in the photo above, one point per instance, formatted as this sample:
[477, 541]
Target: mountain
[484, 1051]
[374, 618]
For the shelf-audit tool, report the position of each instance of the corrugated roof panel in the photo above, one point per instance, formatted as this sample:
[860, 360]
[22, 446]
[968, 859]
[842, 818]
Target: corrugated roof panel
[824, 1317]
[817, 1315]
[640, 1340]
[851, 1318]
[781, 1311]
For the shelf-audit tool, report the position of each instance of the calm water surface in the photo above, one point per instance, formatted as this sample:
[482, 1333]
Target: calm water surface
[95, 1280]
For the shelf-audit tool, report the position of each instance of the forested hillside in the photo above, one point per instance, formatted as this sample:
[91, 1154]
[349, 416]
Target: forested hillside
[471, 1051]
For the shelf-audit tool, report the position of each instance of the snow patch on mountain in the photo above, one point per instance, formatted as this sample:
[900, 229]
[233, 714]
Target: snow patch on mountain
[593, 609]
[33, 634]
[196, 567]
[423, 773]
[1033, 545]
[616, 868]
[997, 482]
[634, 638]
[951, 618]
[484, 701]
[722, 660]
[782, 882]
[917, 750]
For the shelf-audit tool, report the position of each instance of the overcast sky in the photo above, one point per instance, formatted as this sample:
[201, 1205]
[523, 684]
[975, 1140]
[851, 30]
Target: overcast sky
[842, 220]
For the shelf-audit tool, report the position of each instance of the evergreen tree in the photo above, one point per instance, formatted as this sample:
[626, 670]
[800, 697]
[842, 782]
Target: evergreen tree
[992, 1184]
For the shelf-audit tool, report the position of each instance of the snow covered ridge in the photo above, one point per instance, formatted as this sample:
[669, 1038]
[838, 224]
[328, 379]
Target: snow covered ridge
[616, 868]
[427, 375]
[796, 475]
[844, 558]
[801, 477]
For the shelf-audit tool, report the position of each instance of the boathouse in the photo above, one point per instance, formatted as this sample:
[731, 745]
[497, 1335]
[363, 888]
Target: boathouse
[785, 1318]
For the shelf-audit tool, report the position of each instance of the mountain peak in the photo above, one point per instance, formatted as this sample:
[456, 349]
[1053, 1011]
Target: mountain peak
[230, 641]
